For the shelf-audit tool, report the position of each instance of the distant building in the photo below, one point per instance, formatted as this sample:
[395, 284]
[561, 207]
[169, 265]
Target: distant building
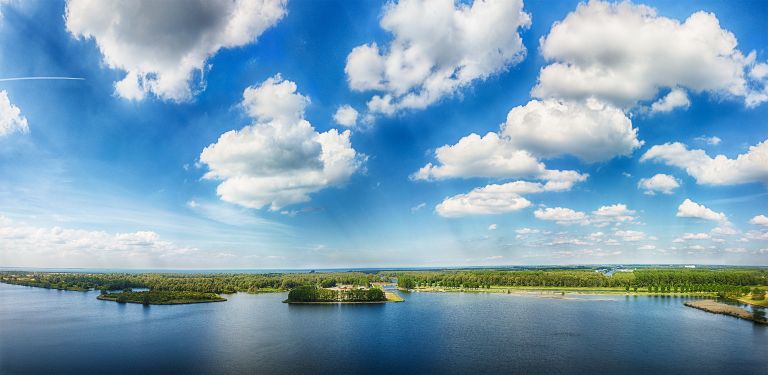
[690, 266]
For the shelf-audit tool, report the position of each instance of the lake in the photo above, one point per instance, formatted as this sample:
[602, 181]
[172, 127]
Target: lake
[46, 331]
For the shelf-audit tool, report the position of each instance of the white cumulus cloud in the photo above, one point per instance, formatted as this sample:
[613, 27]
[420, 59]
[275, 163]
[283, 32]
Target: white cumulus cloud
[617, 213]
[346, 116]
[624, 53]
[691, 209]
[659, 183]
[676, 98]
[759, 220]
[280, 159]
[11, 120]
[592, 132]
[751, 166]
[561, 215]
[163, 46]
[438, 47]
[488, 200]
[476, 156]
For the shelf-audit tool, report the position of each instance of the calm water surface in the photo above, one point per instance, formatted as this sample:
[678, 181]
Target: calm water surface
[59, 332]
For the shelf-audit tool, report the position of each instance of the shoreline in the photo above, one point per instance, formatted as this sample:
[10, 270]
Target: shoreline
[334, 302]
[391, 297]
[102, 298]
[547, 291]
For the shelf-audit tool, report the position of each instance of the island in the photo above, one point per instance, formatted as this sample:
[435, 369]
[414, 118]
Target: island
[309, 294]
[152, 297]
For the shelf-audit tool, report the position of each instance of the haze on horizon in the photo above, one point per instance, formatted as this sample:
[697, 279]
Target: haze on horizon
[303, 134]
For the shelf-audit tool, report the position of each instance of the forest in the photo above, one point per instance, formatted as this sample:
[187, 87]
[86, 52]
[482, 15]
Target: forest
[680, 280]
[723, 280]
[206, 283]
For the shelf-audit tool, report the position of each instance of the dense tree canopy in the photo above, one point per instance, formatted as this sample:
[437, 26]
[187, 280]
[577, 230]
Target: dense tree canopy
[308, 293]
[655, 280]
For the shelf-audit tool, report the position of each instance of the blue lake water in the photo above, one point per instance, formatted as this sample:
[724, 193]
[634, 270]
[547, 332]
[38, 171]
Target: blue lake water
[60, 332]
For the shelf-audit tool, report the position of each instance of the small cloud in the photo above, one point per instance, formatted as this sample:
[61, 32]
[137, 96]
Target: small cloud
[304, 210]
[659, 183]
[346, 116]
[759, 220]
[712, 141]
[418, 207]
[492, 227]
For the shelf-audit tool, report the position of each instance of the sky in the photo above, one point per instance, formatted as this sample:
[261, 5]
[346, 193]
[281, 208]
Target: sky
[331, 134]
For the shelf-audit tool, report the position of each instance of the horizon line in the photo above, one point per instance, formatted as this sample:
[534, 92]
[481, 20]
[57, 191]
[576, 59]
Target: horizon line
[350, 269]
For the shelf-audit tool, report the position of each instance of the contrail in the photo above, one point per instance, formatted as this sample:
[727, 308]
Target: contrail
[41, 79]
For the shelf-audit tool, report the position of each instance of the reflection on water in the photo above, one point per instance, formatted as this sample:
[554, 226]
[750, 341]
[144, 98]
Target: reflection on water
[48, 331]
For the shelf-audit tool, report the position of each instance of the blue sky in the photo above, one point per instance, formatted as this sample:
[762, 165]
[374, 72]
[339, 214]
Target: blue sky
[110, 171]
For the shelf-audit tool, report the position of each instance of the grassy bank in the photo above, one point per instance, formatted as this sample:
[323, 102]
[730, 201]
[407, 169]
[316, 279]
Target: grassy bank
[754, 302]
[393, 297]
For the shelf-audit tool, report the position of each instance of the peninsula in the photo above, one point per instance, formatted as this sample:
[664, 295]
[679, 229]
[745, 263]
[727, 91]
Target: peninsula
[725, 309]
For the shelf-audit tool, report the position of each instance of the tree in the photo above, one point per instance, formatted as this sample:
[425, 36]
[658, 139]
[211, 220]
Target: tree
[758, 294]
[405, 282]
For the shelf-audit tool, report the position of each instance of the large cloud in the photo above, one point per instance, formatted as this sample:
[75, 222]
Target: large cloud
[163, 45]
[281, 158]
[476, 156]
[591, 132]
[439, 46]
[549, 128]
[624, 53]
[11, 120]
[691, 209]
[751, 166]
[491, 199]
[497, 199]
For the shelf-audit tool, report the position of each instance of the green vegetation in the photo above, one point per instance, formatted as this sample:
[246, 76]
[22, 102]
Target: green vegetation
[311, 293]
[160, 297]
[758, 294]
[657, 281]
[225, 283]
[743, 284]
